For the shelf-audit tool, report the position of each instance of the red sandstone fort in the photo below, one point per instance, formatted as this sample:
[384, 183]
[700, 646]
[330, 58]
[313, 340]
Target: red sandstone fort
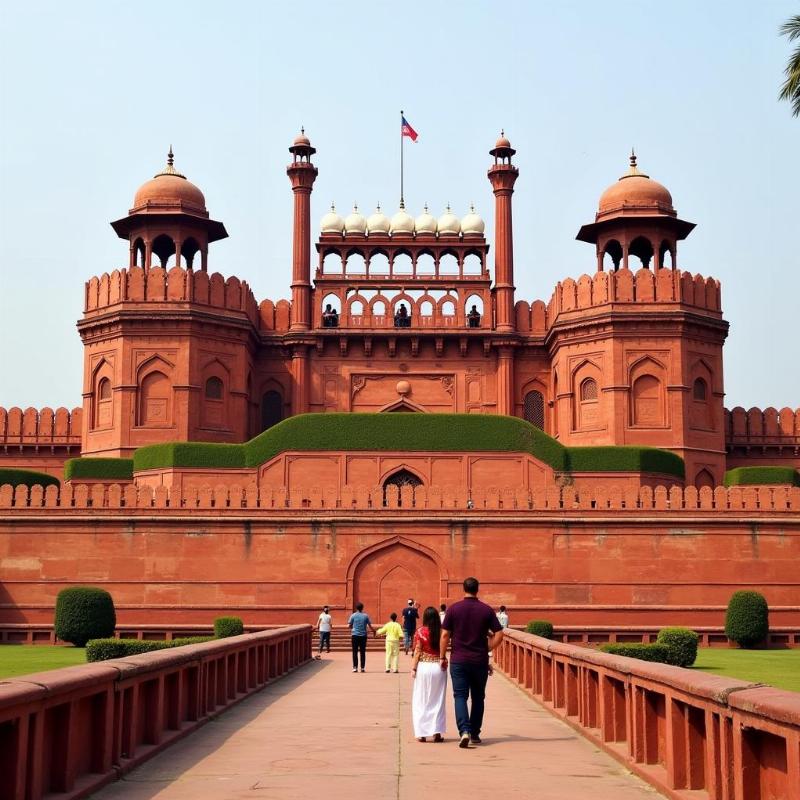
[586, 488]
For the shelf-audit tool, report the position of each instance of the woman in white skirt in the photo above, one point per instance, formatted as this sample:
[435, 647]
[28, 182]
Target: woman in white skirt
[430, 680]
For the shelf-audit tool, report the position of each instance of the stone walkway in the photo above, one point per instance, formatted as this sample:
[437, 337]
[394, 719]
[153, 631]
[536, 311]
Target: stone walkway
[325, 732]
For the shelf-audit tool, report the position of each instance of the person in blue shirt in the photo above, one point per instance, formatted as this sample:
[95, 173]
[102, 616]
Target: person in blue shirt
[358, 624]
[410, 617]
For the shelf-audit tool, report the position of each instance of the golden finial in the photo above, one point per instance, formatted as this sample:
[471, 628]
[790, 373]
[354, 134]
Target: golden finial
[378, 207]
[302, 131]
[333, 207]
[633, 158]
[170, 168]
[472, 208]
[502, 132]
[425, 208]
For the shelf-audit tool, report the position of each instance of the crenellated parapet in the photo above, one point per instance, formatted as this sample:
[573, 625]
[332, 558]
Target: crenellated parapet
[40, 426]
[759, 427]
[642, 286]
[176, 285]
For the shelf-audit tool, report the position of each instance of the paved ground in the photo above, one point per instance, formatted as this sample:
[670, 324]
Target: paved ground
[325, 732]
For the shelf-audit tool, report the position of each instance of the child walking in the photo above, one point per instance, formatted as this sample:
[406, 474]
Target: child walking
[393, 633]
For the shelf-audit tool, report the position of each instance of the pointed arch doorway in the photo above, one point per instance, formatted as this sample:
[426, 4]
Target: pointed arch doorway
[384, 576]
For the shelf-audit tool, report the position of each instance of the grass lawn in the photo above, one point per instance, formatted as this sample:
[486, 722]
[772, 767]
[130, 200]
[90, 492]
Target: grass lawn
[779, 668]
[19, 659]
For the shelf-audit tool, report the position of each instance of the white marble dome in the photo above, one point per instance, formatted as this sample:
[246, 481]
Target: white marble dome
[355, 222]
[378, 222]
[332, 222]
[425, 223]
[402, 223]
[449, 223]
[472, 223]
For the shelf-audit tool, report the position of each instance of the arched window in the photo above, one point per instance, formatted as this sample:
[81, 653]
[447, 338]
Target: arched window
[189, 250]
[163, 247]
[271, 409]
[401, 478]
[214, 389]
[102, 406]
[704, 478]
[612, 255]
[155, 400]
[589, 390]
[647, 403]
[642, 249]
[534, 409]
[700, 390]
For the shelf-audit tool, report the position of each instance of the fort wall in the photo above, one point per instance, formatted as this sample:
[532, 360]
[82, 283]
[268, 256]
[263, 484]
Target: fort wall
[39, 439]
[575, 556]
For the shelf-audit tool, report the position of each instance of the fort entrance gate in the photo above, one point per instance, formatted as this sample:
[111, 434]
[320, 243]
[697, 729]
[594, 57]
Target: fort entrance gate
[385, 576]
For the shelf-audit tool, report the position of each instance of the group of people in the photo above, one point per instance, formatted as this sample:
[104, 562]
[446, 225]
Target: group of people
[469, 629]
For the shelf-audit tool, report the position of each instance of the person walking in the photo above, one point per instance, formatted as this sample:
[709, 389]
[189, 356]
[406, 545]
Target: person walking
[358, 624]
[410, 617]
[473, 628]
[324, 628]
[428, 705]
[502, 617]
[392, 631]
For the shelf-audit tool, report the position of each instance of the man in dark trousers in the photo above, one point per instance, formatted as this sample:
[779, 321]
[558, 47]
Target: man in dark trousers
[474, 630]
[410, 617]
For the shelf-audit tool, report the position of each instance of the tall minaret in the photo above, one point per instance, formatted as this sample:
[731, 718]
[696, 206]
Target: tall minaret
[502, 176]
[302, 174]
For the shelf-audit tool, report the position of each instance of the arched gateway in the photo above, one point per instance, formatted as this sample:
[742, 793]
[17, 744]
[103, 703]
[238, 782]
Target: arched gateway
[384, 576]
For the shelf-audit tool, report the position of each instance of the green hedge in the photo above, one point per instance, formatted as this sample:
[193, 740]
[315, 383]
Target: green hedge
[681, 644]
[754, 476]
[113, 469]
[540, 627]
[84, 613]
[26, 477]
[103, 649]
[228, 626]
[747, 618]
[625, 459]
[644, 652]
[409, 433]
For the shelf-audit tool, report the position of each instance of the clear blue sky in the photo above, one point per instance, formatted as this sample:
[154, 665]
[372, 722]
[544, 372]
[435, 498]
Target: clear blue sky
[93, 93]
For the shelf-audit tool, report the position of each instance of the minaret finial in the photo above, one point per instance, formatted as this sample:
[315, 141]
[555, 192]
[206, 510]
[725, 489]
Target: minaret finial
[302, 130]
[502, 132]
[170, 157]
[633, 157]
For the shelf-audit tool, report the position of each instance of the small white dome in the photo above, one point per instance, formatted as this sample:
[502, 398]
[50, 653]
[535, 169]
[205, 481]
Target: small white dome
[331, 222]
[355, 222]
[378, 222]
[402, 223]
[449, 223]
[425, 223]
[472, 223]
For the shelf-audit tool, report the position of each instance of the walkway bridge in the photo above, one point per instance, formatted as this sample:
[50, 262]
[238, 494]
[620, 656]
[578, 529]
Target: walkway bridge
[562, 722]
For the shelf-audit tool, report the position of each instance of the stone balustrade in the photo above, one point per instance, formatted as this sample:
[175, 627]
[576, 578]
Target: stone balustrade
[235, 498]
[66, 732]
[719, 738]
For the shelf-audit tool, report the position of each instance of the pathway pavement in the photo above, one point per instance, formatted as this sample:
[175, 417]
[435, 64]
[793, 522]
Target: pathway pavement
[326, 732]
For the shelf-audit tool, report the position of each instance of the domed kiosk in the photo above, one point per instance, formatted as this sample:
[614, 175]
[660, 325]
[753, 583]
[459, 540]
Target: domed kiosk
[636, 217]
[169, 218]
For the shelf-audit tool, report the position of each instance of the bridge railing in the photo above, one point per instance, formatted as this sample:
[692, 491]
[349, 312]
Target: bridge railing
[676, 728]
[66, 732]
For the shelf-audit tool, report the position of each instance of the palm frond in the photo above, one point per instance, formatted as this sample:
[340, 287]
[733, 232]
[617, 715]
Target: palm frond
[791, 28]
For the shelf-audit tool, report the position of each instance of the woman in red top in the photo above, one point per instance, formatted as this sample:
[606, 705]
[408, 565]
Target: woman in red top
[430, 680]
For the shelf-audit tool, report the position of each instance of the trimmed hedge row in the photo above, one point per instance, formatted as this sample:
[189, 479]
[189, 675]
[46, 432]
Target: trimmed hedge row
[410, 433]
[644, 652]
[625, 459]
[756, 476]
[228, 626]
[540, 627]
[116, 469]
[26, 477]
[103, 649]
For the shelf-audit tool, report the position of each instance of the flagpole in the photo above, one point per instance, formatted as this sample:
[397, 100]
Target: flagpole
[402, 202]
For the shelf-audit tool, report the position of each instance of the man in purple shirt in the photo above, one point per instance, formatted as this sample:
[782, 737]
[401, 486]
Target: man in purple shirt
[474, 630]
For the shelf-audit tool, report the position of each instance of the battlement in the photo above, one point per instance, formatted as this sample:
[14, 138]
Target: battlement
[238, 500]
[40, 426]
[762, 427]
[643, 286]
[176, 285]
